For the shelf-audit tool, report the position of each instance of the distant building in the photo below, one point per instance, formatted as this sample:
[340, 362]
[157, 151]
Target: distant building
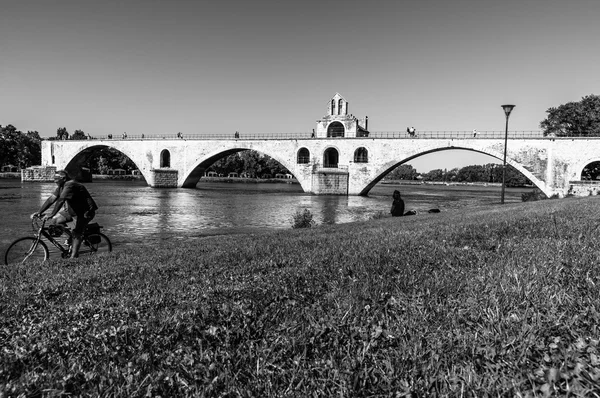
[10, 168]
[338, 123]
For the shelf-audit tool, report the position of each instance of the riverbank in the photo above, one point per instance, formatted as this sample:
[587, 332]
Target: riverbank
[492, 301]
[10, 175]
[446, 183]
[250, 180]
[139, 177]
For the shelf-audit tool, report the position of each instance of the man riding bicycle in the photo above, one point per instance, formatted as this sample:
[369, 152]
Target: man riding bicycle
[77, 203]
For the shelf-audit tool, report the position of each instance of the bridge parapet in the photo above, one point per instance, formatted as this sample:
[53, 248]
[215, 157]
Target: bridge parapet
[429, 134]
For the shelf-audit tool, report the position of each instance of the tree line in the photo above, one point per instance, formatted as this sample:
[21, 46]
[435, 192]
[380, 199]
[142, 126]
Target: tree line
[491, 173]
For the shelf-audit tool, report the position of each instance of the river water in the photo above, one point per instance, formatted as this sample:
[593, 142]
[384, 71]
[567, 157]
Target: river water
[131, 212]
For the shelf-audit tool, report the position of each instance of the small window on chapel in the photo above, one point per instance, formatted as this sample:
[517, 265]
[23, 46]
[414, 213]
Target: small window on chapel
[339, 107]
[333, 107]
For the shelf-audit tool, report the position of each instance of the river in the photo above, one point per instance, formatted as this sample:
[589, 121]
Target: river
[131, 212]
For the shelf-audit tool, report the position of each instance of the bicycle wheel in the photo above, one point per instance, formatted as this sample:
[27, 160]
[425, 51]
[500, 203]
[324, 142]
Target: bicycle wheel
[23, 250]
[95, 244]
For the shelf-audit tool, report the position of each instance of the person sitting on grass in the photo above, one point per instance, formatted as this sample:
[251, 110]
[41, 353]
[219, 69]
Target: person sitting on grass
[397, 209]
[79, 205]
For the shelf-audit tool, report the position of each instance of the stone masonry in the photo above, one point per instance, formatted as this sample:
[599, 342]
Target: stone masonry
[38, 174]
[550, 163]
[164, 178]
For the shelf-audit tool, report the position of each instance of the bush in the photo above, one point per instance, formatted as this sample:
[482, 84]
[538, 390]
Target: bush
[378, 216]
[532, 196]
[303, 219]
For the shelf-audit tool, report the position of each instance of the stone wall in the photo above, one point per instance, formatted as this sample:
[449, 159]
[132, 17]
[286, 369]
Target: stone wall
[584, 188]
[38, 174]
[165, 178]
[332, 182]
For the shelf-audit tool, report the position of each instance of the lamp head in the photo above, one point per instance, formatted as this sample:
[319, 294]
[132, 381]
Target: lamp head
[507, 109]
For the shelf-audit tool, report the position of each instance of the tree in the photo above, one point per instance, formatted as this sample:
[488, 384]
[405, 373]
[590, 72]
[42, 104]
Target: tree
[474, 173]
[11, 139]
[19, 149]
[100, 161]
[32, 149]
[403, 172]
[574, 118]
[78, 135]
[434, 175]
[252, 163]
[101, 166]
[62, 133]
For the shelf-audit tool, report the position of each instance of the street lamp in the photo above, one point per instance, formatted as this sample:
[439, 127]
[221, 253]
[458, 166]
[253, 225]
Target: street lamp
[507, 110]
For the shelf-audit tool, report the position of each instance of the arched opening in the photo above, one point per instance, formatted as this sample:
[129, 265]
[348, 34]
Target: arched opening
[247, 163]
[101, 160]
[303, 156]
[331, 158]
[332, 107]
[335, 129]
[165, 159]
[339, 107]
[591, 171]
[361, 155]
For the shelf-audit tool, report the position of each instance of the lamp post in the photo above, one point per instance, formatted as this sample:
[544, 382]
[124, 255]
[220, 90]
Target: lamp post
[507, 110]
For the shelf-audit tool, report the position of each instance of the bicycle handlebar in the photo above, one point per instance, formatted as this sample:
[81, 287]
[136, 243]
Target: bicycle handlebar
[35, 222]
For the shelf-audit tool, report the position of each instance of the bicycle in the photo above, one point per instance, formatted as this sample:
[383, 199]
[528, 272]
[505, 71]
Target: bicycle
[33, 248]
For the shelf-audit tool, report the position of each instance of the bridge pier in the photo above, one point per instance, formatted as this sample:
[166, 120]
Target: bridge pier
[330, 181]
[163, 178]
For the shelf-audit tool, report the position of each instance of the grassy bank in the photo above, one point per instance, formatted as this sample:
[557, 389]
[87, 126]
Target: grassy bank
[499, 301]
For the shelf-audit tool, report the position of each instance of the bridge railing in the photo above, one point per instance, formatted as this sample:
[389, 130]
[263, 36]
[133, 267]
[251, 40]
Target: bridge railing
[309, 135]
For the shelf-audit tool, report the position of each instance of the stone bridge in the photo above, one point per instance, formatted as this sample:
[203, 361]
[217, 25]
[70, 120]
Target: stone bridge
[334, 165]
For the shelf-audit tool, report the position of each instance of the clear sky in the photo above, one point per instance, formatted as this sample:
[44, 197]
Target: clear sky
[272, 65]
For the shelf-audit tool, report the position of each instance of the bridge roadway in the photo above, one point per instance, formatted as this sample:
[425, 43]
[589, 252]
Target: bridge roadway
[551, 163]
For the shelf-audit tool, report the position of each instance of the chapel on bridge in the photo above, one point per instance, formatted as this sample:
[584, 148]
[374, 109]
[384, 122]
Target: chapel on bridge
[338, 123]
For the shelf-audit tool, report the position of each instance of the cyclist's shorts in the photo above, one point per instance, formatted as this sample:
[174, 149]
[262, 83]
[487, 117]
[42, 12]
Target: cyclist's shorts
[80, 223]
[65, 214]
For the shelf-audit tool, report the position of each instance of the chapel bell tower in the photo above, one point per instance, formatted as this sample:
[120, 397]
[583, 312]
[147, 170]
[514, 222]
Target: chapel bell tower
[337, 122]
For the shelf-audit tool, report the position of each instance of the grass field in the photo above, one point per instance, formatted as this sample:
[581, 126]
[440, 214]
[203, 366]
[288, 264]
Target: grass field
[501, 301]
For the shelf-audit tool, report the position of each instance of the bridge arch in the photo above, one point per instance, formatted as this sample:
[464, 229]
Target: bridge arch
[196, 171]
[581, 166]
[75, 161]
[389, 166]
